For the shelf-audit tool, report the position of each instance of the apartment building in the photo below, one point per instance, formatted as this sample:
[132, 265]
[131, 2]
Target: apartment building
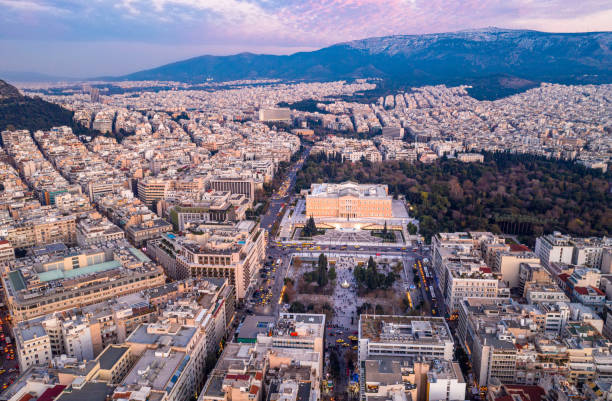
[463, 247]
[445, 382]
[97, 229]
[289, 356]
[491, 348]
[474, 280]
[238, 375]
[7, 252]
[559, 248]
[41, 227]
[507, 263]
[548, 292]
[298, 331]
[172, 359]
[348, 201]
[233, 251]
[32, 345]
[152, 189]
[235, 185]
[532, 273]
[216, 206]
[139, 234]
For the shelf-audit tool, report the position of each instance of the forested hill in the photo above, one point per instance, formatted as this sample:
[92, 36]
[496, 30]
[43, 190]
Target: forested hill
[33, 113]
[8, 91]
[23, 112]
[516, 194]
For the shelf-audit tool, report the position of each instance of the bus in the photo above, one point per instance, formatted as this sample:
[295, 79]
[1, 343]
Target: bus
[432, 292]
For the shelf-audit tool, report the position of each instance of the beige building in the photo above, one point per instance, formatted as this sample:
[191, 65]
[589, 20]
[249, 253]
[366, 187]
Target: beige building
[349, 200]
[152, 189]
[7, 252]
[59, 278]
[235, 185]
[508, 265]
[231, 251]
[42, 231]
[33, 346]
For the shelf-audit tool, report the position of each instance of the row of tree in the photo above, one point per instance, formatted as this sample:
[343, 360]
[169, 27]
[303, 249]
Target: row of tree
[321, 274]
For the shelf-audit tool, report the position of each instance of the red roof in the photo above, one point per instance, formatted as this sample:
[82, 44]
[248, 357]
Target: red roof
[563, 277]
[26, 397]
[124, 394]
[598, 291]
[238, 377]
[486, 269]
[258, 376]
[581, 290]
[519, 248]
[527, 393]
[3, 241]
[254, 389]
[51, 393]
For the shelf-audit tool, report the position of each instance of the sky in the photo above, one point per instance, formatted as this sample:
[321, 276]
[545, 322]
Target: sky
[88, 38]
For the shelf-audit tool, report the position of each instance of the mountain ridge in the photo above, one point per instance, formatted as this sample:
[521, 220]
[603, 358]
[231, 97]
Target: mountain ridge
[451, 58]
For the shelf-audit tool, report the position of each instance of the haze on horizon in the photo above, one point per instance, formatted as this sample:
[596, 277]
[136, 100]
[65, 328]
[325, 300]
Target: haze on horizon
[73, 38]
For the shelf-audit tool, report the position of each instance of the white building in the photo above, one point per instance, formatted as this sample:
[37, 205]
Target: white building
[445, 382]
[278, 114]
[554, 248]
[404, 336]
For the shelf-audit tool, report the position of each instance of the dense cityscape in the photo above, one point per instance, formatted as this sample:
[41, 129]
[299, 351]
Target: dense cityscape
[338, 200]
[165, 253]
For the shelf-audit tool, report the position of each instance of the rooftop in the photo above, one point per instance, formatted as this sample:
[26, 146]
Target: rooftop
[387, 328]
[163, 334]
[157, 369]
[349, 188]
[113, 353]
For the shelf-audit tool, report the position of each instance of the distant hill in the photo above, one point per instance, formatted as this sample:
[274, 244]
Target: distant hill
[521, 58]
[28, 76]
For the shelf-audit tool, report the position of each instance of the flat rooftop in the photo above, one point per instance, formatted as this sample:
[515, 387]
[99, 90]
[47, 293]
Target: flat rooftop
[254, 325]
[90, 391]
[158, 369]
[393, 329]
[31, 331]
[109, 357]
[178, 336]
[81, 271]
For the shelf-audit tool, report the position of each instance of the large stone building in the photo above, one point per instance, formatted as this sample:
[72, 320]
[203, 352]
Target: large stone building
[234, 251]
[57, 278]
[349, 200]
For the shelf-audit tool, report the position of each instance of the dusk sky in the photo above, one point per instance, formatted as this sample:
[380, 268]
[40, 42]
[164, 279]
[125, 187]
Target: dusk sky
[85, 38]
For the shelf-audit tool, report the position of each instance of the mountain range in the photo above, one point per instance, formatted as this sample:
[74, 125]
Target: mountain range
[513, 57]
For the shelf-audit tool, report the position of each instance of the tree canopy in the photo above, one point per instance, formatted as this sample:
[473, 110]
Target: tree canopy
[519, 194]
